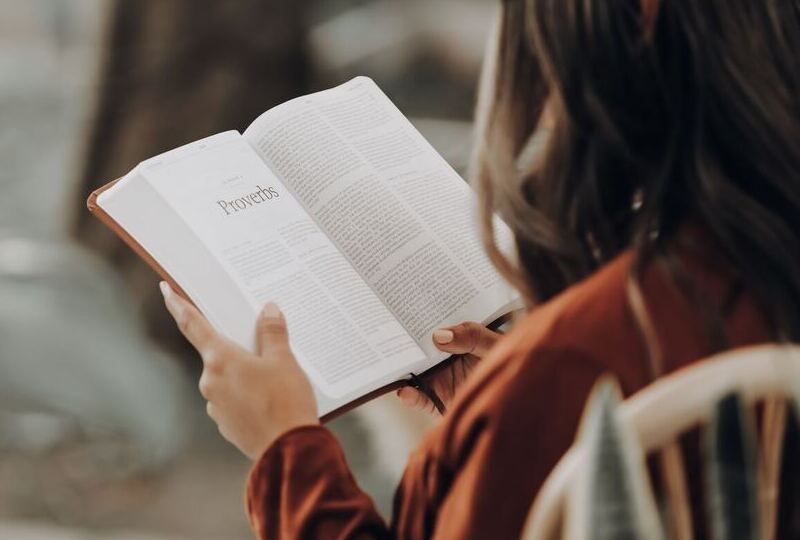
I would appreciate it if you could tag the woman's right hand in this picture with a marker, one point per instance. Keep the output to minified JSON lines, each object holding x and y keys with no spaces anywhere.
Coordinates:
{"x":469,"y":342}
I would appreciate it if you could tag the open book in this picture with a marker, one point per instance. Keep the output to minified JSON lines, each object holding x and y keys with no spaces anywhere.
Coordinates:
{"x":334,"y":207}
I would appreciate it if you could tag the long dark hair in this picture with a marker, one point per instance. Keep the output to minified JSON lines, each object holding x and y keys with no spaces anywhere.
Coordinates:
{"x":660,"y":112}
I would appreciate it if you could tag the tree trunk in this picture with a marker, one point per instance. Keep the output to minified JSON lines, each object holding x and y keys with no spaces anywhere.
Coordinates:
{"x":175,"y":71}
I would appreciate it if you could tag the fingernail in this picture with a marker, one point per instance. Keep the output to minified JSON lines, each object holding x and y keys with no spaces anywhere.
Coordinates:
{"x":443,"y":336}
{"x":165,"y":289}
{"x":408,"y":398}
{"x":271,"y":311}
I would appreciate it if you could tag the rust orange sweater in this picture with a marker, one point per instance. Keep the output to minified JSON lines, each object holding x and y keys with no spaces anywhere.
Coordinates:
{"x":476,"y":475}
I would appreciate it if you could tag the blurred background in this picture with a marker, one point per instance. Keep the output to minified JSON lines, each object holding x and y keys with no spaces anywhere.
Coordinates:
{"x":102,"y":433}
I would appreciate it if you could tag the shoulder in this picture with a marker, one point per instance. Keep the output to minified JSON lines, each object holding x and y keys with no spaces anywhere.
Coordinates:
{"x":518,"y":413}
{"x":547,"y":364}
{"x":590,"y":317}
{"x":590,"y":321}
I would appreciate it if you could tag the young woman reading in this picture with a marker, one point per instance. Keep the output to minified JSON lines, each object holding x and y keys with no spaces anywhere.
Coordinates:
{"x":659,"y":224}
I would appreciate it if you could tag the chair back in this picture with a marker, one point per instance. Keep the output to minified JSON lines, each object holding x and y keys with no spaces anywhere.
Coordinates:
{"x":675,"y":404}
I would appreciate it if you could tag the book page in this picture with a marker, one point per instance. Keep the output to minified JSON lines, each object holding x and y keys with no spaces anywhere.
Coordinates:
{"x":396,"y":209}
{"x":271,"y":250}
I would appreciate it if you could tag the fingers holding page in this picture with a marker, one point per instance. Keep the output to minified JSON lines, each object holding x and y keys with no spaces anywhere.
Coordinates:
{"x":192,"y":324}
{"x":253,"y":398}
{"x":468,"y":342}
{"x":465,"y":338}
{"x":273,"y":336}
{"x":413,"y":398}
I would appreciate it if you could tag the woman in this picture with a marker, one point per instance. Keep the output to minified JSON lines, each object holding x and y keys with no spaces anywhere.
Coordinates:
{"x":659,"y":225}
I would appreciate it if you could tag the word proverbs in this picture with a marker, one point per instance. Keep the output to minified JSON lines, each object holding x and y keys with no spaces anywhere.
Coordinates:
{"x":248,"y":201}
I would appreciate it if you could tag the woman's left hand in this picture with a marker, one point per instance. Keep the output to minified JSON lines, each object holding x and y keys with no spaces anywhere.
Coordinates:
{"x":253,"y":397}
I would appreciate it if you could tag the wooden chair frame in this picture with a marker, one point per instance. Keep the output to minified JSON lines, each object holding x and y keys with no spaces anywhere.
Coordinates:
{"x":681,"y":401}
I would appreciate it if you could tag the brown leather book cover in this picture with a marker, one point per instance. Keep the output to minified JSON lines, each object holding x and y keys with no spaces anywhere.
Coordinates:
{"x":108,"y":221}
{"x":115,"y":227}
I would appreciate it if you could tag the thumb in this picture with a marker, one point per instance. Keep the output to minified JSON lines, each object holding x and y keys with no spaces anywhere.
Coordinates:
{"x":272,"y":335}
{"x":465,"y":338}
